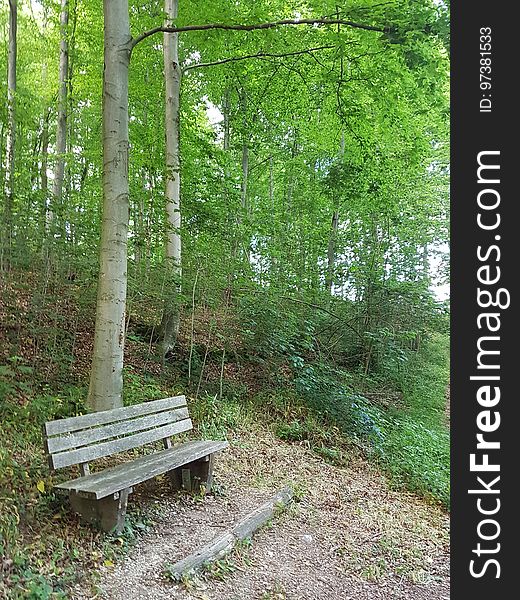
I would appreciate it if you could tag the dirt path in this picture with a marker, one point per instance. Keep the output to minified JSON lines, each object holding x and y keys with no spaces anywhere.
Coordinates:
{"x":349,"y":537}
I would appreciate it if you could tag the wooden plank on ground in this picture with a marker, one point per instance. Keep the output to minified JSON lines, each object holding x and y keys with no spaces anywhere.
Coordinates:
{"x":128,"y":474}
{"x":111,"y":416}
{"x":223,"y":544}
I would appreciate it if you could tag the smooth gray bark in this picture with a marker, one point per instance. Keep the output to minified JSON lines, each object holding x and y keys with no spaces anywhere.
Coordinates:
{"x":106,"y":380}
{"x":271,"y":183}
{"x":245,"y":208}
{"x":245,"y":176}
{"x":44,"y":184}
{"x":11,"y":121}
{"x":331,"y":247}
{"x":170,"y":321}
{"x":226,"y":112}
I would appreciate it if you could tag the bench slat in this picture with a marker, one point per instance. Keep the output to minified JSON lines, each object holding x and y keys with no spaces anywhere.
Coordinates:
{"x":88,"y":453}
{"x":112,"y":416}
{"x":90,"y":436}
{"x":114,"y":479}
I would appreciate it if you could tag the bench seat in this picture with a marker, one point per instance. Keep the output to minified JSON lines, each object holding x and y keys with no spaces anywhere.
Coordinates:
{"x":101,"y":497}
{"x":127,"y":474}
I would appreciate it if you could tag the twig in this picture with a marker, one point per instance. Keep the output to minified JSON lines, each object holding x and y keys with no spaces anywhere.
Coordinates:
{"x":249,"y":56}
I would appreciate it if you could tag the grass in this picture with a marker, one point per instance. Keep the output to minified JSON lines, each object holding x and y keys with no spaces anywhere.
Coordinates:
{"x":46,"y":550}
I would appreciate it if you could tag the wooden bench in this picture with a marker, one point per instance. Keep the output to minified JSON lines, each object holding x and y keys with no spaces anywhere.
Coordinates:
{"x":101,"y":497}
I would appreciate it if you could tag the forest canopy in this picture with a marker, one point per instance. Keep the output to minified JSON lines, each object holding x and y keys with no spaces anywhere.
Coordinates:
{"x":312,"y":158}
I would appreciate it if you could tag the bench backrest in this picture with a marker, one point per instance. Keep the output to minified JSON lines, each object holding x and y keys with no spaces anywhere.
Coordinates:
{"x":78,"y":440}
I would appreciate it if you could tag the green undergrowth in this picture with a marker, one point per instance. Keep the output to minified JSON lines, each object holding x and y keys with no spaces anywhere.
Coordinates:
{"x":44,"y":548}
{"x":416,"y":449}
{"x":335,"y":413}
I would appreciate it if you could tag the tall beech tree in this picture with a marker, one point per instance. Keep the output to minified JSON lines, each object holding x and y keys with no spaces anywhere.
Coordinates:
{"x":169,"y":328}
{"x":331,"y":248}
{"x":106,"y":381}
{"x":269,"y":205}
{"x":11,"y":125}
{"x":61,"y":128}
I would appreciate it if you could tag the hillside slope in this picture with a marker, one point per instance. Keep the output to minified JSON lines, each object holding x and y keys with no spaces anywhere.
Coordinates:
{"x":351,"y":531}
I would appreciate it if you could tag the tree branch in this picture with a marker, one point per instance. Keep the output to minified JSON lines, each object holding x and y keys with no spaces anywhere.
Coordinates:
{"x":259,"y":55}
{"x":254,"y":27}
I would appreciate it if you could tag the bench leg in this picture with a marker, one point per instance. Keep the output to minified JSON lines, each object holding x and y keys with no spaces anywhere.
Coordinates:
{"x":192,"y":476}
{"x":108,"y":514}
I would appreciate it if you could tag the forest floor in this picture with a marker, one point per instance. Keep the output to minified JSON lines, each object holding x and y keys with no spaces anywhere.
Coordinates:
{"x":348,"y":536}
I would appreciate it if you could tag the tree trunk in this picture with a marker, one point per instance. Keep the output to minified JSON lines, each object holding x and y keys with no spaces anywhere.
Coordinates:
{"x":44,"y":184}
{"x":244,"y":212}
{"x":2,"y":170}
{"x":170,"y":321}
{"x":34,"y":168}
{"x":11,"y":123}
{"x":61,"y":130}
{"x":244,"y":204}
{"x":139,"y":209}
{"x":271,"y":184}
{"x":331,"y":249}
{"x":139,"y":237}
{"x":274,"y":269}
{"x":106,"y":380}
{"x":226,"y":109}
{"x":71,"y":210}
{"x":245,"y":176}
{"x":231,"y":219}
